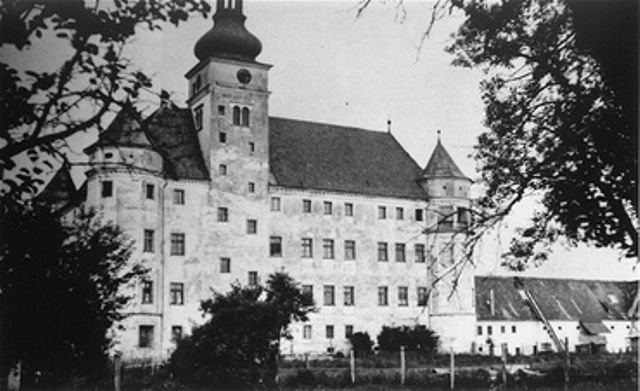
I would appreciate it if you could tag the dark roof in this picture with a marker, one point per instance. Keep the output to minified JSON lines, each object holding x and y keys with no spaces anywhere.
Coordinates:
{"x":59,"y":189}
{"x":174,"y":137}
{"x":124,"y":130}
{"x":311,"y":155}
{"x":441,"y":165}
{"x":559,"y":299}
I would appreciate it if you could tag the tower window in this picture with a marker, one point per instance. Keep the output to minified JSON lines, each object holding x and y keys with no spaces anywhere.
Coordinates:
{"x":245,"y":116}
{"x":275,"y":246}
{"x":176,"y":293}
{"x":419,"y":251}
{"x":147,"y":292}
{"x":197,"y":117}
{"x":223,"y":215}
{"x":463,"y":217}
{"x":403,"y":296}
{"x":225,"y":265}
{"x":220,"y":109}
{"x":382,"y":252}
{"x":177,"y":244}
{"x":147,"y":241}
{"x":222,"y":137}
{"x":178,"y":197}
{"x":236,"y":115}
{"x":252,"y":227}
{"x":150,"y":192}
{"x":307,"y":248}
{"x":400,"y":252}
{"x":383,"y":299}
{"x":197,"y":85}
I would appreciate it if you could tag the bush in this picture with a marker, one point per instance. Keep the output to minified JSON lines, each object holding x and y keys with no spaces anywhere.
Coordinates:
{"x":418,"y":339}
{"x":361,"y":343}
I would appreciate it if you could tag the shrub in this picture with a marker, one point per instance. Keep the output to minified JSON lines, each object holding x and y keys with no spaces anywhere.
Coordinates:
{"x":361,"y":343}
{"x":418,"y":339}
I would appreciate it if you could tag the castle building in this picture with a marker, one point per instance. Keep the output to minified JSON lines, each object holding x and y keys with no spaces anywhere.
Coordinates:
{"x":219,"y":192}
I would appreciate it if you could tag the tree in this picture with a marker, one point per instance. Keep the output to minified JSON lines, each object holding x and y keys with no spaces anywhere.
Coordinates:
{"x":60,"y":292}
{"x":361,"y":343}
{"x":85,"y":78}
{"x":417,"y":339}
{"x":239,"y":344}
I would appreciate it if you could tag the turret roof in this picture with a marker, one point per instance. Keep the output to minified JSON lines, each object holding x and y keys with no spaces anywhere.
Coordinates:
{"x":125,"y":130}
{"x":441,"y":165}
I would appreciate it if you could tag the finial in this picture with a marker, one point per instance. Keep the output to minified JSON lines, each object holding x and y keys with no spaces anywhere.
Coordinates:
{"x":439,"y":133}
{"x":389,"y":125}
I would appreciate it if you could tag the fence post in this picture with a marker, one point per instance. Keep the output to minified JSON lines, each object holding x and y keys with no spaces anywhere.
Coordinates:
{"x":567,"y":364}
{"x":352,"y":366}
{"x":117,"y":372}
{"x":452,"y":369}
{"x":402,"y":365}
{"x":504,"y":364}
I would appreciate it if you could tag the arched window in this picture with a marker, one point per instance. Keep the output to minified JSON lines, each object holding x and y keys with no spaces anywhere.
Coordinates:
{"x":236,"y":115}
{"x":245,"y":116}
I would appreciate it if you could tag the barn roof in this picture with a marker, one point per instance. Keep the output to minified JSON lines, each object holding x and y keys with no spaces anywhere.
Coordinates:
{"x":559,"y":299}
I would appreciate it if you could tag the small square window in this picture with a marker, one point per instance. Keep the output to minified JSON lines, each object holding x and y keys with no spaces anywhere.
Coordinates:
{"x":150,"y":191}
{"x":220,"y":109}
{"x":307,"y":248}
{"x":306,"y":331}
{"x":275,"y":246}
{"x":329,"y":295}
{"x":147,"y":292}
{"x":252,"y":187}
{"x":145,"y":336}
{"x":176,"y":293}
{"x":222,"y":169}
{"x":329,"y":331}
{"x":349,"y":250}
{"x":328,"y":207}
{"x":177,"y":244}
{"x":176,"y":333}
{"x":178,"y":197}
{"x":382,"y":212}
{"x":107,"y":189}
{"x":253,"y":278}
{"x":148,"y":241}
{"x":382,"y":252}
{"x":223,"y":215}
{"x":222,"y":137}
{"x":306,"y":206}
{"x":399,"y":214}
{"x":327,"y":249}
{"x":348,"y":331}
{"x":403,"y":296}
{"x":419,"y":215}
{"x":225,"y":265}
{"x":348,"y":209}
{"x":252,"y":227}
{"x":383,"y":298}
{"x":275,"y":204}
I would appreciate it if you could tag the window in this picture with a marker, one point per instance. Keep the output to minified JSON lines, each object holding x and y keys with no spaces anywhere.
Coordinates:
{"x":177,"y":244}
{"x":513,"y":329}
{"x":422,"y":295}
{"x":176,"y":333}
{"x":400,"y":252}
{"x":222,"y":137}
{"x":328,"y":207}
{"x":479,"y":330}
{"x":489,"y":330}
{"x":306,"y":206}
{"x":383,"y":298}
{"x":176,"y":293}
{"x":306,"y":331}
{"x":419,"y":215}
{"x":252,"y":187}
{"x":245,"y":116}
{"x":348,"y":209}
{"x":147,"y":292}
{"x":446,"y":216}
{"x":252,"y":147}
{"x":329,"y":331}
{"x":178,"y":197}
{"x":150,"y":192}
{"x":399,"y":214}
{"x":307,"y":290}
{"x":197,"y":84}
{"x":419,"y":251}
{"x":382,"y":212}
{"x":223,"y":215}
{"x":222,"y":169}
{"x":107,"y":189}
{"x":225,"y":265}
{"x":252,"y":227}
{"x":349,"y":296}
{"x":503,"y":329}
{"x":220,"y":109}
{"x":348,"y":331}
{"x":275,"y":204}
{"x":382,"y":252}
{"x":145,"y":336}
{"x":307,"y":248}
{"x":463,"y":217}
{"x":147,"y":242}
{"x":253,"y":278}
{"x":403,"y":296}
{"x":236,"y":115}
{"x":275,"y":246}
{"x":329,"y":295}
{"x":197,"y":117}
{"x":349,"y":250}
{"x":327,"y":248}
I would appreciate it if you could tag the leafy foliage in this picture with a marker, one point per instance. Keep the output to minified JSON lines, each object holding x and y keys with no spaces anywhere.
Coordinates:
{"x":69,"y":89}
{"x":418,"y":339}
{"x":60,"y":292}
{"x":239,"y":345}
{"x":562,"y":121}
{"x":361,"y":343}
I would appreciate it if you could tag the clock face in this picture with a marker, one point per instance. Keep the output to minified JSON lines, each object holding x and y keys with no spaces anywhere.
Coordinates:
{"x":244,"y":76}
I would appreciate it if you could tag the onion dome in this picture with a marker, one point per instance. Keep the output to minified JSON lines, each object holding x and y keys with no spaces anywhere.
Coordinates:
{"x":228,"y":38}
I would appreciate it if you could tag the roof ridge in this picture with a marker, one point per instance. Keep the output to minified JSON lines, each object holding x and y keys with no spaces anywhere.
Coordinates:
{"x":344,"y":127}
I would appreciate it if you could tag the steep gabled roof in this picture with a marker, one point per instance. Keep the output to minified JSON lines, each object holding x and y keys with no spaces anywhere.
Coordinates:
{"x":59,"y":189}
{"x":173,"y":136}
{"x":310,"y":155}
{"x":559,"y":299}
{"x":125,"y":130}
{"x":441,"y":165}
